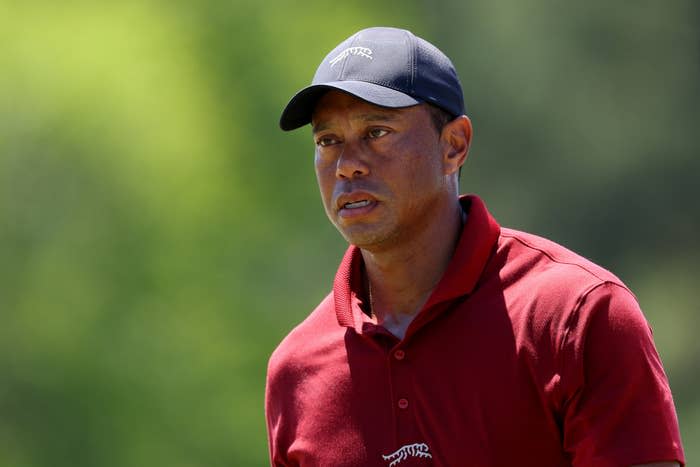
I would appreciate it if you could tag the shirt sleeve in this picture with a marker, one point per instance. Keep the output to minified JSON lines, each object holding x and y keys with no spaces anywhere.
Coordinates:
{"x":619,"y":409}
{"x":273,"y":415}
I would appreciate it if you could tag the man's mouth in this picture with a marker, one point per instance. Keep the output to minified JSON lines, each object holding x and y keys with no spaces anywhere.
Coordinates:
{"x":351,"y":205}
{"x":356,"y":204}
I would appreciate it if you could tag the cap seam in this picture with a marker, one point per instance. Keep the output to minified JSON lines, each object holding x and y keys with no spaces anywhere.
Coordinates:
{"x":412,"y":51}
{"x":341,"y":75}
{"x":386,"y":84}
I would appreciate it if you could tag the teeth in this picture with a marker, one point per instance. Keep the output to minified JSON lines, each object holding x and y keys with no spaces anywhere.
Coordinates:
{"x":356,"y":204}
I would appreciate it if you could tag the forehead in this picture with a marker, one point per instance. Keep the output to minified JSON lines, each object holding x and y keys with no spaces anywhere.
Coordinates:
{"x":338,"y":105}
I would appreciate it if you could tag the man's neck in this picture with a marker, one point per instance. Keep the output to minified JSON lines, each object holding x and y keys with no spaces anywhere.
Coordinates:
{"x":401,"y":279}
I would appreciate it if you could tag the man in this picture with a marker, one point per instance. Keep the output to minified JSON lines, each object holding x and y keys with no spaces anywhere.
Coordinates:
{"x":448,"y":340}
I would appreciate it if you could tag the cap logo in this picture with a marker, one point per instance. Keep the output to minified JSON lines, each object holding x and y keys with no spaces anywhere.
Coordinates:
{"x":361,"y":51}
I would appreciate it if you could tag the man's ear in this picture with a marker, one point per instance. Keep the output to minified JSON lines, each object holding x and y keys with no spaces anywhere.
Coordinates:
{"x":456,"y":136}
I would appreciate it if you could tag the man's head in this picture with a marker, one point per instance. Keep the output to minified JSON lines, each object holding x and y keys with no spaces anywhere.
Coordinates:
{"x":387,"y":114}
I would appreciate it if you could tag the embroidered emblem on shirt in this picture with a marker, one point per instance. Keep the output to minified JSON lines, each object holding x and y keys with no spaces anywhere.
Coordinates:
{"x":361,"y":51}
{"x":409,"y":450}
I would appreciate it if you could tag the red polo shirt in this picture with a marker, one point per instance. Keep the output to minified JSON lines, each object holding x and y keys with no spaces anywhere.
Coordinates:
{"x":525,"y":354}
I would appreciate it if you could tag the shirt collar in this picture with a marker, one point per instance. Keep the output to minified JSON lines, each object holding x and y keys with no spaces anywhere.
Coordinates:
{"x":474,"y":248}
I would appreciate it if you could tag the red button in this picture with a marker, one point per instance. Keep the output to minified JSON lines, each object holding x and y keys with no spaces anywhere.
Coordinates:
{"x":399,"y":354}
{"x":403,"y":403}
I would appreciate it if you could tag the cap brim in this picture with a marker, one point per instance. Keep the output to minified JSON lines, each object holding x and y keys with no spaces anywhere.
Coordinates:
{"x":301,"y":106}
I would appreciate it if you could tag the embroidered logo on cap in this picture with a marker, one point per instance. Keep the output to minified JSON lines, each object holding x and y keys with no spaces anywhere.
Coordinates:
{"x":409,"y":450}
{"x":361,"y":51}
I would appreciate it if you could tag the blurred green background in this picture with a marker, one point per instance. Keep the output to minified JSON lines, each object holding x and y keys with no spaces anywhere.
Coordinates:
{"x":159,"y":235}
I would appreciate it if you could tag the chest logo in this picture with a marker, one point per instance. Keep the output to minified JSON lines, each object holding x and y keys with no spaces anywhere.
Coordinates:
{"x":361,"y":51}
{"x":409,"y":450}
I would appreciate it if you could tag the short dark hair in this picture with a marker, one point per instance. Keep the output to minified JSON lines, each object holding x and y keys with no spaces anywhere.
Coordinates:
{"x":440,"y":118}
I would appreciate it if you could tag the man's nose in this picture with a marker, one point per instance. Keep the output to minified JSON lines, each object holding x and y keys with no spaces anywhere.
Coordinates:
{"x":351,"y":162}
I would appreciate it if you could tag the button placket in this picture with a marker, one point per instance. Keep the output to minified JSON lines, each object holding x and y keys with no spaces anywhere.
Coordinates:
{"x":402,"y":389}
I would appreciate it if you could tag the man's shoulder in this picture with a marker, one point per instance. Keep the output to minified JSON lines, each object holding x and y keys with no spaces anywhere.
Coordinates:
{"x":551,"y":261}
{"x":318,"y":331}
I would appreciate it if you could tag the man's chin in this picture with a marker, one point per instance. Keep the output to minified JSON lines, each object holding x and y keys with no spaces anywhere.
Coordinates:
{"x":358,"y":237}
{"x":365,"y":238}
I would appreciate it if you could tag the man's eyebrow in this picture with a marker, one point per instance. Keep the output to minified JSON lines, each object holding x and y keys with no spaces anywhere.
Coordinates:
{"x":376,"y":117}
{"x":320,"y":127}
{"x":373,"y":117}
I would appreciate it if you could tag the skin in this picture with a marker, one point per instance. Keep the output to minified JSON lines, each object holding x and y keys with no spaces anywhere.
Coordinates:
{"x":396,"y":160}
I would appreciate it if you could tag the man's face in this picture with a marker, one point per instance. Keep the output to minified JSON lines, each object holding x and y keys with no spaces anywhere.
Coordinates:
{"x":380,"y":171}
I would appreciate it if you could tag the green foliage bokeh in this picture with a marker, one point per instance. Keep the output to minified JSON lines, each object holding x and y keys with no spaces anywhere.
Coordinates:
{"x":159,"y":234}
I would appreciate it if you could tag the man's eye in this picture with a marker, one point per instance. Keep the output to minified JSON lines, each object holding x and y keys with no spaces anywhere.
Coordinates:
{"x":326,"y":141}
{"x":377,"y":132}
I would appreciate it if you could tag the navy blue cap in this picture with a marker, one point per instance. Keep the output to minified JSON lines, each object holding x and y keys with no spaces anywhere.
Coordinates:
{"x":388,"y":67}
